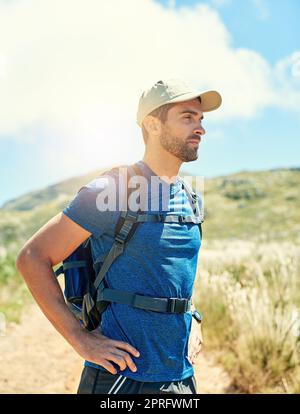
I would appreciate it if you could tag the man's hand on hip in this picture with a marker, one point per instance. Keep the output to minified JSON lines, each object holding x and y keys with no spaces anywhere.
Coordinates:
{"x":97,"y":348}
{"x":195,"y":341}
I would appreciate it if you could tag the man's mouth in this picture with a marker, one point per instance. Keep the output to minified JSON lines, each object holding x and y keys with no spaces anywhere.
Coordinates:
{"x":194,"y":140}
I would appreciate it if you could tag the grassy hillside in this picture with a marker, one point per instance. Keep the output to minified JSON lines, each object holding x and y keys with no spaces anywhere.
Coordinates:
{"x":253,"y":205}
{"x":60,"y":191}
{"x":247,"y":205}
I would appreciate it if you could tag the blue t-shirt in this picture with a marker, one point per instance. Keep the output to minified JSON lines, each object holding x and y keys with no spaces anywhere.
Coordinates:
{"x":160,"y":260}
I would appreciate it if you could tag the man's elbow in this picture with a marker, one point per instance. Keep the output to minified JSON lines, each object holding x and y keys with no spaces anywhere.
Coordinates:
{"x":21,"y":259}
{"x":25,"y":256}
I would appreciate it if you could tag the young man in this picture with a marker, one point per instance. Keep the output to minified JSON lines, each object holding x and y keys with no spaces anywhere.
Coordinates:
{"x":136,"y":350}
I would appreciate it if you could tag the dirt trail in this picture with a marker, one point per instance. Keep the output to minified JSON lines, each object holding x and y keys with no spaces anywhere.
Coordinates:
{"x":34,"y":358}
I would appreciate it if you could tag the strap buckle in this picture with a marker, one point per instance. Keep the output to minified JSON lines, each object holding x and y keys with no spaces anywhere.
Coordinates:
{"x":119,"y":239}
{"x":195,"y":198}
{"x":177,"y":305}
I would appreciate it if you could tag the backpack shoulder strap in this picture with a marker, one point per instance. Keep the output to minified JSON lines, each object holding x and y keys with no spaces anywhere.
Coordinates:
{"x":194,"y":202}
{"x":125,"y":228}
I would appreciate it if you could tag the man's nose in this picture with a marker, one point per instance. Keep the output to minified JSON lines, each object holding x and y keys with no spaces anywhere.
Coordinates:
{"x":199,"y":130}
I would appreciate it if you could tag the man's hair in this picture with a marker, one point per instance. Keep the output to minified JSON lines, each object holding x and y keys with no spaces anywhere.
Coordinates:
{"x":162,"y":114}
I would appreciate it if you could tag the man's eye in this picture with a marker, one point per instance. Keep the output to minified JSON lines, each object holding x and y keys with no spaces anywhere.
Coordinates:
{"x":187,"y":117}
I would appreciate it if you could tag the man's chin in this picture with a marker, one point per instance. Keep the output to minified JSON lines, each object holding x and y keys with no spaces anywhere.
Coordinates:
{"x":189,"y":158}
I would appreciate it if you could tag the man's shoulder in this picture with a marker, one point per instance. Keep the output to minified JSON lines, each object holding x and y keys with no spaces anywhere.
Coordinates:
{"x":104,"y":180}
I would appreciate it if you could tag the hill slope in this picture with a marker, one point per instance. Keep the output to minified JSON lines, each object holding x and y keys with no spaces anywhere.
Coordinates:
{"x":257,"y":205}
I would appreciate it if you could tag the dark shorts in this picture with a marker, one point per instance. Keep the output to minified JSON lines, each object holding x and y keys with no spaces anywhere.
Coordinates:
{"x":96,"y":381}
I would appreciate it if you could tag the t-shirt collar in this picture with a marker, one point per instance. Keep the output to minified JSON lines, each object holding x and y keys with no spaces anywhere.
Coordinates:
{"x":148,"y":173}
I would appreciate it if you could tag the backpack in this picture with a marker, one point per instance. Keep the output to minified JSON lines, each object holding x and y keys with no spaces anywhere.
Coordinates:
{"x":86,"y":291}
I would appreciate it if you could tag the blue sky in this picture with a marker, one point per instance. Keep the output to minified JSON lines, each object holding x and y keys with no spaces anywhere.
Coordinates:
{"x":271,"y":27}
{"x":33,"y":148}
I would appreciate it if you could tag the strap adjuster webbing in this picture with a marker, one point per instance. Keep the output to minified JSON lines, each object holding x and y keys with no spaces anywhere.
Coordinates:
{"x":149,"y":303}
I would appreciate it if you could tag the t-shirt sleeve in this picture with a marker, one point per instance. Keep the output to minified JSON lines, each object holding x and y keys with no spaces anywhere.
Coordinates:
{"x":83,"y":209}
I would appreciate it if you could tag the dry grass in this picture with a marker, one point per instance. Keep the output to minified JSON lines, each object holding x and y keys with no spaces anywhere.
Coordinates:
{"x":249,"y":295}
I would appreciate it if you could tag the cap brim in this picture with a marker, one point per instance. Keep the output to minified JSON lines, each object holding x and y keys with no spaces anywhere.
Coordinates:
{"x":210,"y":100}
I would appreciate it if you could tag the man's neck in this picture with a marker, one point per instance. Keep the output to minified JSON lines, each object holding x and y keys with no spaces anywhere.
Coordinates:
{"x":163,"y":166}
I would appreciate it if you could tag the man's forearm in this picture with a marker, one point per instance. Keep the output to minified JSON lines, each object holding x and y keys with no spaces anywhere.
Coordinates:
{"x":42,"y":283}
{"x":91,"y":346}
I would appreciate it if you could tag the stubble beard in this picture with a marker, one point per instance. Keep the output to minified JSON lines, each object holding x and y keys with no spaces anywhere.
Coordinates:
{"x":180,"y":149}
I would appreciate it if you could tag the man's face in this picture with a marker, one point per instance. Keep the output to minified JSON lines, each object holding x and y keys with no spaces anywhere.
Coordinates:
{"x":181,"y":133}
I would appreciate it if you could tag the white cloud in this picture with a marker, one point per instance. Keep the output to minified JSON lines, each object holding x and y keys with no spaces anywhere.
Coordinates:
{"x":296,"y":64}
{"x":287,"y":80}
{"x":77,"y":69}
{"x":3,"y":64}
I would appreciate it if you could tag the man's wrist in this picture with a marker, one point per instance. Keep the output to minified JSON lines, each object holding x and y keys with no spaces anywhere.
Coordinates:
{"x":197,"y":315}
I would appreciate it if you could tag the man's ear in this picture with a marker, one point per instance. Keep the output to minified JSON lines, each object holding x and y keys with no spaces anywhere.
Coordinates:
{"x":152,"y":125}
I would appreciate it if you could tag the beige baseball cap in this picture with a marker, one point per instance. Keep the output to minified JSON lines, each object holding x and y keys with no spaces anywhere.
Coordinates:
{"x":171,"y":91}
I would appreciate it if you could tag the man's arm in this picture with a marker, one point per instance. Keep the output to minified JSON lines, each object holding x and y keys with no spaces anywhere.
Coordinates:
{"x":55,"y":241}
